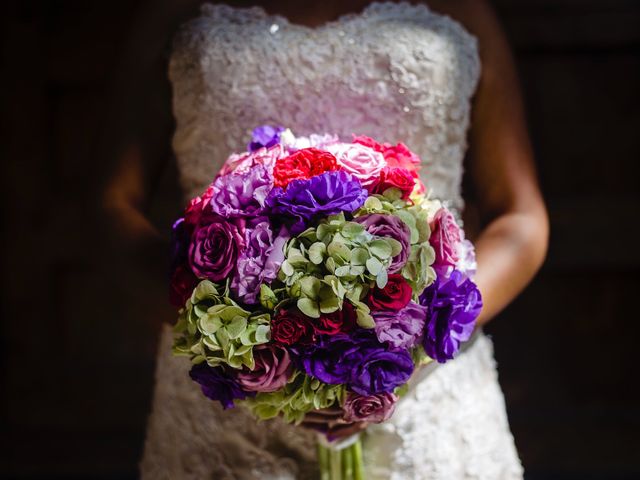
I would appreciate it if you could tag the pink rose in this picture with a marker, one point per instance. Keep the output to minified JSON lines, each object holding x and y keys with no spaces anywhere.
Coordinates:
{"x":445,"y":238}
{"x":272,"y":370}
{"x":241,"y":163}
{"x":373,"y":409}
{"x":362,"y":162}
{"x":395,"y":155}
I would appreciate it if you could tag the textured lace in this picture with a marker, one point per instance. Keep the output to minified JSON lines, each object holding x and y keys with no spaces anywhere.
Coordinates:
{"x":396,"y":71}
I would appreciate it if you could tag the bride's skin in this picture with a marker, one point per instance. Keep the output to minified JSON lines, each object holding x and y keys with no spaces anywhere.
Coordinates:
{"x":512,"y":225}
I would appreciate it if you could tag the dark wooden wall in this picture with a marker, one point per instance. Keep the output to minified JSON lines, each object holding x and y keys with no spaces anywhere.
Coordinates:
{"x":77,"y":344}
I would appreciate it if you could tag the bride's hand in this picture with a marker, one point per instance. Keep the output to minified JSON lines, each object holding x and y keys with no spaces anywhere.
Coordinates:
{"x":330,"y":422}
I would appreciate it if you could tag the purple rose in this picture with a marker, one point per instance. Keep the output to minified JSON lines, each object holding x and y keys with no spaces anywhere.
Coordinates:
{"x":260,"y":261}
{"x":265,"y":136}
{"x":358,"y":360}
{"x":390,"y":226}
{"x":217,"y":385}
{"x":401,"y":329}
{"x":373,"y":408}
{"x":272,"y":370}
{"x":214,"y":249}
{"x":241,"y":194}
{"x":453,"y":306}
{"x":326,"y":194}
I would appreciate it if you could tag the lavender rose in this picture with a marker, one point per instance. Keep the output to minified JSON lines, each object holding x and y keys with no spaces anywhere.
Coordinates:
{"x":260,"y":261}
{"x":241,"y":194}
{"x":326,"y":194}
{"x":401,"y":329}
{"x":453,"y":306}
{"x":265,"y":136}
{"x":214,"y":249}
{"x":359,"y":360}
{"x":373,"y":408}
{"x":272,"y":370}
{"x":217,"y":385}
{"x":389,"y":226}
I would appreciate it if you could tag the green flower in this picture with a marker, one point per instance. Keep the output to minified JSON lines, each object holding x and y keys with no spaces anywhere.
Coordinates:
{"x":338,"y":260}
{"x":213,"y":328}
{"x":301,"y":395}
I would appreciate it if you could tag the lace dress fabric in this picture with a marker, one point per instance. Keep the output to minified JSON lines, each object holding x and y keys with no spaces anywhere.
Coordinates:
{"x":395,"y":71}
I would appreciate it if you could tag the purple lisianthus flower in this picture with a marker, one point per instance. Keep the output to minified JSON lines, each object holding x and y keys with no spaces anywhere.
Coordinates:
{"x":325,"y":194}
{"x":401,"y":329}
{"x":359,"y":360}
{"x":390,"y":226}
{"x":260,"y":261}
{"x":241,"y":194}
{"x":217,"y":385}
{"x":453,"y":305}
{"x":265,"y":136}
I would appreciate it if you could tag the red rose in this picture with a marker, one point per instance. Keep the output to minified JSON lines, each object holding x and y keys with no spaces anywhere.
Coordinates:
{"x":340,"y":321}
{"x":302,"y":165}
{"x":290,"y":326}
{"x":394,"y":296}
{"x":397,"y":177}
{"x":183,"y":281}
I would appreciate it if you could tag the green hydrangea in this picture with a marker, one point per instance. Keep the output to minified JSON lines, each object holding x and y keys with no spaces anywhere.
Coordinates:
{"x":335,"y":261}
{"x":301,"y":395}
{"x":213,"y":328}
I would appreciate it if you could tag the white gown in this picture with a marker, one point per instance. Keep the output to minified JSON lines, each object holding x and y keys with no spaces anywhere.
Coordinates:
{"x":396,"y":72}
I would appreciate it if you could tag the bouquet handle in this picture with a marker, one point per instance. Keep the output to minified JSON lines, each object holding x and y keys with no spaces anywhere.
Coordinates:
{"x":340,"y":460}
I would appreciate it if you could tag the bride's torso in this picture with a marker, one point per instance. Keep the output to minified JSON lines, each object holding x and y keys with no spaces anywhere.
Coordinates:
{"x":395,"y":71}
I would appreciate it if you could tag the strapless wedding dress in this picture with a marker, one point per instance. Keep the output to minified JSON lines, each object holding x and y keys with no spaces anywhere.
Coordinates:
{"x":395,"y":72}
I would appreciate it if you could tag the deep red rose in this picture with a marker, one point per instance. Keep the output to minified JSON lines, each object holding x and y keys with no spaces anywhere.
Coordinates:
{"x":183,"y":281}
{"x":302,"y":165}
{"x":394,"y":296}
{"x":340,"y":321}
{"x":397,"y":177}
{"x":289,"y":327}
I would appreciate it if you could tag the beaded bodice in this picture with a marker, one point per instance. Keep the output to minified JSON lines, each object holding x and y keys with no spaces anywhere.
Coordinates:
{"x":396,"y":72}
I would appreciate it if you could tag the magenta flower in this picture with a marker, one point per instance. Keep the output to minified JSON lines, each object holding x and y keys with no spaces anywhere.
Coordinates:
{"x":214,"y":249}
{"x":403,"y":328}
{"x":272,"y":370}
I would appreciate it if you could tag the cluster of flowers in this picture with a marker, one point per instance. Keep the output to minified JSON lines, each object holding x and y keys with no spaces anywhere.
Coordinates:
{"x":314,"y":272}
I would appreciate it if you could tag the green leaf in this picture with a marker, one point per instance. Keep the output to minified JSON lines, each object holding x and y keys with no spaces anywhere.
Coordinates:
{"x":286,"y":268}
{"x":364,"y":319}
{"x":317,"y":252}
{"x":263,"y":334}
{"x":342,"y":271}
{"x":359,"y":256}
{"x":330,"y":305}
{"x":374,"y":266}
{"x":236,"y":327}
{"x":372,"y":203}
{"x":209,"y":324}
{"x":309,"y":307}
{"x":339,"y":251}
{"x":309,"y":286}
{"x":382,"y":278}
{"x":352,"y":229}
{"x":396,"y":246}
{"x":380,"y":248}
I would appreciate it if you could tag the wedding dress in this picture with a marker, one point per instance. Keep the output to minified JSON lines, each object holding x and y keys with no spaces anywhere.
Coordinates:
{"x":395,"y":72}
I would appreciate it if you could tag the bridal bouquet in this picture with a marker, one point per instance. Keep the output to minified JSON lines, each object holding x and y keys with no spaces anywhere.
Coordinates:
{"x":316,"y":273}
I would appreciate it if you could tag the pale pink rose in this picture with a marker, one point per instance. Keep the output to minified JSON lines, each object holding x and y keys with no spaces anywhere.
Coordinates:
{"x":272,"y":370}
{"x":242,"y":162}
{"x":445,"y":238}
{"x":373,"y":409}
{"x":362,"y":162}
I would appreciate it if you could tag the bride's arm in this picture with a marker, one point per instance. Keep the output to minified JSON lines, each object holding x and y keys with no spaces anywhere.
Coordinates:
{"x":512,"y":242}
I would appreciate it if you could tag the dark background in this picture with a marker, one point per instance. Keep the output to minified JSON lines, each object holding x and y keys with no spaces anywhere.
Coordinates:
{"x":77,"y":338}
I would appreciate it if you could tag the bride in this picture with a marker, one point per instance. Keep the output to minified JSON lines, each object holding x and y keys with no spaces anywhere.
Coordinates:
{"x":432,"y":75}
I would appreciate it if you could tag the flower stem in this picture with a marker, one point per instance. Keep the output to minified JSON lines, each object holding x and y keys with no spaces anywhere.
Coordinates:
{"x":358,"y":465}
